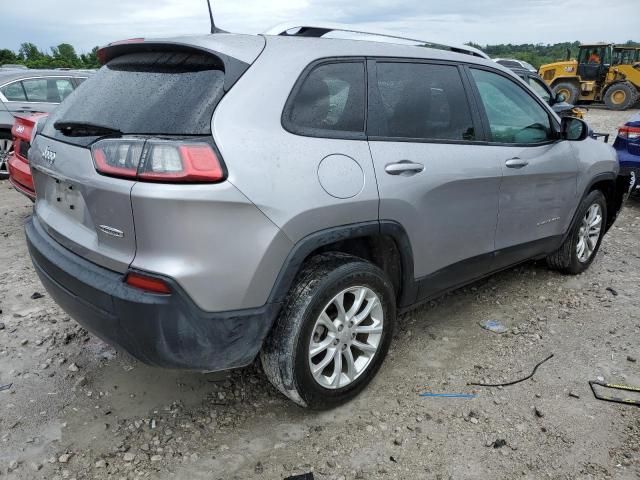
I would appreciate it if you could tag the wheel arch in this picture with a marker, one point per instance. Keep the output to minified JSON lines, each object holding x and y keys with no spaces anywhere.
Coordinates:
{"x":384,"y":243}
{"x":565,"y":79}
{"x":611,"y":187}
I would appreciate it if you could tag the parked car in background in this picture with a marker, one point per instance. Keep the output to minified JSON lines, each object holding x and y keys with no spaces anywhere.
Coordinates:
{"x":25,"y":92}
{"x":514,"y":63}
{"x":14,"y":66}
{"x":197,"y":214}
{"x":557,"y":102}
{"x":627,"y":144}
{"x":23,"y":132}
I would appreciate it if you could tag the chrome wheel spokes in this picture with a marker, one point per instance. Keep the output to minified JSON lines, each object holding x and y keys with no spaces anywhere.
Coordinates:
{"x":589,"y":233}
{"x":346,"y":337}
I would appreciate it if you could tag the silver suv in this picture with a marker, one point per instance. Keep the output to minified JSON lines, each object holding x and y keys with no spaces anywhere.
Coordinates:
{"x":202,"y":201}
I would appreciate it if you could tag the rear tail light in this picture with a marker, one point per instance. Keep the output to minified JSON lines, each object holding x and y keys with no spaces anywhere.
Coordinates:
{"x":23,"y":133}
{"x":629,"y":133}
{"x":24,"y":128}
{"x":156,"y":160}
{"x":147,"y":283}
{"x":118,"y":158}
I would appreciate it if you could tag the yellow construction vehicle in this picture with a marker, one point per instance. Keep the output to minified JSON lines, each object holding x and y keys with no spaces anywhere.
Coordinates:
{"x":602,"y":73}
{"x":626,"y":55}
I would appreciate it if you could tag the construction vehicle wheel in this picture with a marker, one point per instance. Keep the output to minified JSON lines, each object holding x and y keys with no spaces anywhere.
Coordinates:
{"x":570,"y":91}
{"x":620,"y":96}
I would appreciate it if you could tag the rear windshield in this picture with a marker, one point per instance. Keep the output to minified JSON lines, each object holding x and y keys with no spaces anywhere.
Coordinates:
{"x":172,"y":93}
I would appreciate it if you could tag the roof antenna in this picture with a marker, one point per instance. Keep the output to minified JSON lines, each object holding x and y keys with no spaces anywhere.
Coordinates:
{"x":213,"y":23}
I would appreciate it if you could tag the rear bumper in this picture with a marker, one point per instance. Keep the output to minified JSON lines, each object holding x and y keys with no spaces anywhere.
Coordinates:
{"x":162,"y":330}
{"x":20,"y":176}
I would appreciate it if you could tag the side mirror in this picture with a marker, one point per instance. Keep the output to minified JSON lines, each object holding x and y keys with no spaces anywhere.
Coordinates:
{"x":574,"y":129}
{"x":560,"y":98}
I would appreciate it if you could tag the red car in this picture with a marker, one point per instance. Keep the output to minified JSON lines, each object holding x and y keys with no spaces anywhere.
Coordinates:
{"x":23,"y":131}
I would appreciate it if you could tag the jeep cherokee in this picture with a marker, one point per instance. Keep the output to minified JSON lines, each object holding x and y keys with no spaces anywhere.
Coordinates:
{"x":206,"y":200}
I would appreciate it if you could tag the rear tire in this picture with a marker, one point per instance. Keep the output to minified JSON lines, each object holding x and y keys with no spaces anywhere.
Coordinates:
{"x":570,"y":91}
{"x":620,"y":96}
{"x":581,"y":245}
{"x":338,"y":370}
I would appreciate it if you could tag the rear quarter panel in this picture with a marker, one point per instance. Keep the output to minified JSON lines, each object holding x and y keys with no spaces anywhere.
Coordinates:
{"x":276,"y":169}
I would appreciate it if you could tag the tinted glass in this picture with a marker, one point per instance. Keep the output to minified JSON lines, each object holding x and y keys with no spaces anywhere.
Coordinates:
{"x":148,"y":93}
{"x":47,"y":90}
{"x":37,"y":90}
{"x":332,"y":98}
{"x":539,"y":88}
{"x":514,"y":116}
{"x":64,"y":87}
{"x":421,"y":101}
{"x":14,"y":92}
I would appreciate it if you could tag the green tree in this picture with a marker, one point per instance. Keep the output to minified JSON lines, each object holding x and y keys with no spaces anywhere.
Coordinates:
{"x":64,"y":56}
{"x":90,"y":60}
{"x":7,"y":56}
{"x":29,"y":52}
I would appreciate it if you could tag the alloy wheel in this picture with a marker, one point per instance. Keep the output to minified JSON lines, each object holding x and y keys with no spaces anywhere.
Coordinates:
{"x":6,"y":148}
{"x":589,"y":233}
{"x":346,"y":337}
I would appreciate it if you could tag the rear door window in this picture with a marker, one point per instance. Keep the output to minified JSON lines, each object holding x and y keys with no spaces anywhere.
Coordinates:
{"x":330,"y":102}
{"x":420,"y":101}
{"x":47,"y":90}
{"x":149,"y":93}
{"x":36,"y":89}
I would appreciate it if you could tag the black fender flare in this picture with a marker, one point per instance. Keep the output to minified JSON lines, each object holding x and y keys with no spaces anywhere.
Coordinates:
{"x":312,"y":242}
{"x":601,"y":177}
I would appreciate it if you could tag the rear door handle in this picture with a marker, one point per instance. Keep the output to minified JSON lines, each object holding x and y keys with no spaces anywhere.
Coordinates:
{"x":404,"y":167}
{"x":516,"y":163}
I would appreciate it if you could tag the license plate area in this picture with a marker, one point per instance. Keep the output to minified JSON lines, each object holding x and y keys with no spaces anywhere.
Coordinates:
{"x":66,"y":198}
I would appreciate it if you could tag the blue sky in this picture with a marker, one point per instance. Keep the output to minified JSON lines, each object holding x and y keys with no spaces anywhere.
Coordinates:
{"x":85,"y":23}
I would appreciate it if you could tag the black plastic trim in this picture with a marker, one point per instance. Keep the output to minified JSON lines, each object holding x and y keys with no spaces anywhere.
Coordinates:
{"x":482,"y":266}
{"x":314,"y":241}
{"x":168,"y":331}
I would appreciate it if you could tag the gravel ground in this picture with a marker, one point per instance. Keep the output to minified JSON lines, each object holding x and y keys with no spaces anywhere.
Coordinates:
{"x":79,"y":410}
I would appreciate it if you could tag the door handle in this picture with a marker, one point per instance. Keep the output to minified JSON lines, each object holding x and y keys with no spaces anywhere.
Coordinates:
{"x":516,"y":163}
{"x":404,"y":167}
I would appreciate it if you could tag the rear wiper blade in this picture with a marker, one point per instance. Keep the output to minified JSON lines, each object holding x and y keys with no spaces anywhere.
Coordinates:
{"x":84,"y":129}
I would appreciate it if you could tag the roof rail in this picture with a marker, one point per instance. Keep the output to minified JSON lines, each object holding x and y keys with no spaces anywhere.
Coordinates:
{"x":319,"y":30}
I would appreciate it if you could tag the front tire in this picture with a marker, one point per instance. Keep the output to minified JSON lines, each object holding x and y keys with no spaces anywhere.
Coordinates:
{"x":620,"y":96}
{"x":333,"y":332}
{"x":583,"y":242}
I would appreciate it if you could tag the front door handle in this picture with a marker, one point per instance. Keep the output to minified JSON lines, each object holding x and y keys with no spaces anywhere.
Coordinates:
{"x":516,"y":163}
{"x":404,"y":167}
